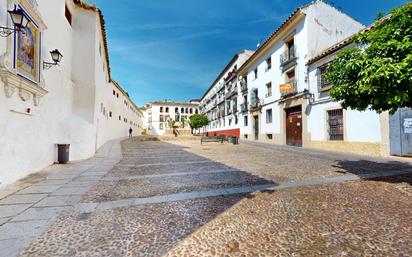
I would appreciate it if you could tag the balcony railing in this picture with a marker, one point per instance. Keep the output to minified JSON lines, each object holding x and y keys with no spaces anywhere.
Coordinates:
{"x":243,"y":107}
{"x":288,"y":56}
{"x":243,"y":88}
{"x":235,"y":108}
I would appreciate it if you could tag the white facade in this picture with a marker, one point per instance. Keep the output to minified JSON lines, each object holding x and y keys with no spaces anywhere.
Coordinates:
{"x":278,"y":101}
{"x":68,"y":104}
{"x":159,"y":113}
{"x":222,"y":101}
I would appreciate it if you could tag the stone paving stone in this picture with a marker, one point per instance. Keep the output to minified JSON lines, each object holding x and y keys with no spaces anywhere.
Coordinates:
{"x":39,"y":189}
{"x":12,"y":210}
{"x":42,"y":213}
{"x":80,"y":183}
{"x":53,"y":182}
{"x":70,"y":191}
{"x":23,"y":229}
{"x":21,"y":199}
{"x":12,"y":247}
{"x":4,"y":220}
{"x":55,"y":201}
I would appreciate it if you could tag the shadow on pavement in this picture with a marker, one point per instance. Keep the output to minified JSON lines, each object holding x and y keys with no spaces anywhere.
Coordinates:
{"x":360,"y":167}
{"x":152,"y":229}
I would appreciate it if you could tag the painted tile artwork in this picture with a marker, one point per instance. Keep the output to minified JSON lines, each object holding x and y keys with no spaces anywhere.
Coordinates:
{"x":27,"y":55}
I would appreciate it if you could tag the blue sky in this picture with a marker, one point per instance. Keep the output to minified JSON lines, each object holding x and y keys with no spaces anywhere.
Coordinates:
{"x":174,"y":49}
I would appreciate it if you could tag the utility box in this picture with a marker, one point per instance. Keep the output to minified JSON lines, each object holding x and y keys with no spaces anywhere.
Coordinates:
{"x":401,"y":132}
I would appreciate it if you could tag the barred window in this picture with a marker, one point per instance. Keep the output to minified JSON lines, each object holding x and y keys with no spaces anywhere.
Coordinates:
{"x":335,"y":124}
{"x":322,"y":80}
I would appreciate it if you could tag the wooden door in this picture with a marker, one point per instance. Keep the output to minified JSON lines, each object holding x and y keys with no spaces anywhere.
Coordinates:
{"x":256,"y":126}
{"x":294,"y":126}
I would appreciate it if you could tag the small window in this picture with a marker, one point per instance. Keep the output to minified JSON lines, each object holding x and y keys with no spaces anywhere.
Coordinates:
{"x":114,"y":93}
{"x":68,"y":14}
{"x":176,"y":110}
{"x":269,"y":89}
{"x":110,"y":114}
{"x":323,"y":83}
{"x":120,"y":117}
{"x":268,"y":63}
{"x":245,"y":121}
{"x":191,"y":110}
{"x":245,"y":136}
{"x":117,"y":95}
{"x":269,"y":116}
{"x":269,"y":136}
{"x":335,"y":125}
{"x":161,"y":109}
{"x":255,"y":72}
{"x":167,"y":109}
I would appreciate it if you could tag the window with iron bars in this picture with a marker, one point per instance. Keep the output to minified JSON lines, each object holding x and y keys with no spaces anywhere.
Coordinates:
{"x":335,"y":125}
{"x":322,"y":80}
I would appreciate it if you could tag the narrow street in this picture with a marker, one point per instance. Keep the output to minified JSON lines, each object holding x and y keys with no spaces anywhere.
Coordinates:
{"x":180,"y":198}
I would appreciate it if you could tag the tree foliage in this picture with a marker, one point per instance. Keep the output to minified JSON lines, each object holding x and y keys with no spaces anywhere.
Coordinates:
{"x":377,"y":74}
{"x":198,"y":121}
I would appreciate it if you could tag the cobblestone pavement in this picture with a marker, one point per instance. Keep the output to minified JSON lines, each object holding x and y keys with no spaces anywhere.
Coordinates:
{"x":183,"y":199}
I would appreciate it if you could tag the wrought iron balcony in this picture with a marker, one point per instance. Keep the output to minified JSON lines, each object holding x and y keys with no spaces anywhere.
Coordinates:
{"x":288,"y":57}
{"x":231,"y":92}
{"x":235,"y":108}
{"x":244,"y":107}
{"x":255,"y":104}
{"x":243,"y":88}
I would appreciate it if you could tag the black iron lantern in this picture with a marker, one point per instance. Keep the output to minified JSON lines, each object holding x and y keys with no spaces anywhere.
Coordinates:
{"x":19,"y":19}
{"x":56,"y":56}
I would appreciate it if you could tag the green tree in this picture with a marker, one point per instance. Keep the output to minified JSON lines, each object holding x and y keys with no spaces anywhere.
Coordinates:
{"x":171,"y":123}
{"x":197,"y":121}
{"x":377,"y":74}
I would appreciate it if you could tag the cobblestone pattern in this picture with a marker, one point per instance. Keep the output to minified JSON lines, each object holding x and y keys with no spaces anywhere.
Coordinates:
{"x":142,"y":188}
{"x":283,"y":164}
{"x":368,"y":218}
{"x":150,"y":230}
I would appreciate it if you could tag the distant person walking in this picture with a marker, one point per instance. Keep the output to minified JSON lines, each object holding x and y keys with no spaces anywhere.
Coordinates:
{"x":130,"y":132}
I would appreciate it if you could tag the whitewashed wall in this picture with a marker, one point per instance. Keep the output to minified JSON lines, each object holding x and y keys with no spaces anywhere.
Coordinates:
{"x":68,"y":113}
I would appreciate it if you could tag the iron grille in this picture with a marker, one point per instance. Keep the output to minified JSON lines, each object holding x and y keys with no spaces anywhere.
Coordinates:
{"x":322,"y":80}
{"x":335,"y":121}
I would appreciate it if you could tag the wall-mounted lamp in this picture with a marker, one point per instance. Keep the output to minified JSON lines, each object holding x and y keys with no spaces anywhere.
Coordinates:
{"x":56,"y":57}
{"x":309,"y":96}
{"x":19,"y":20}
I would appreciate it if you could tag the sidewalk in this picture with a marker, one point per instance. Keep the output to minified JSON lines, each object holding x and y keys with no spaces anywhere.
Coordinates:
{"x":30,"y":205}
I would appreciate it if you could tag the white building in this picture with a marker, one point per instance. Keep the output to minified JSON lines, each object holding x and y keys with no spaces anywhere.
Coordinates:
{"x":222,"y":101}
{"x":282,"y":101}
{"x":76,"y":102}
{"x":157,"y":115}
